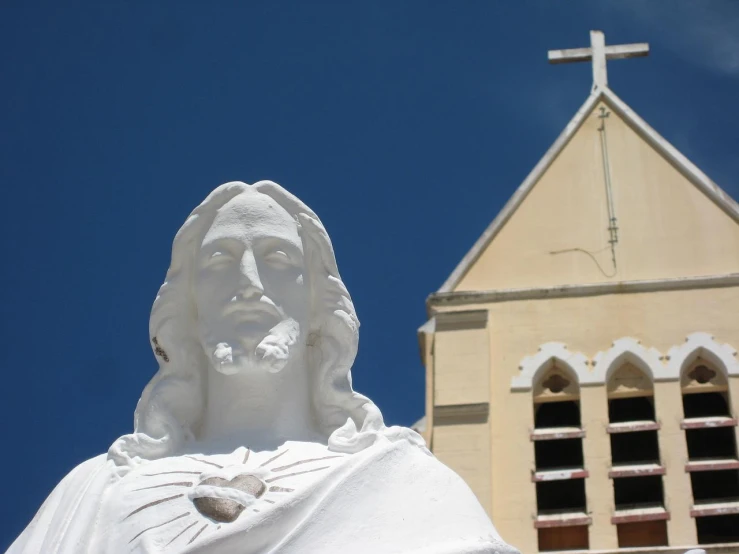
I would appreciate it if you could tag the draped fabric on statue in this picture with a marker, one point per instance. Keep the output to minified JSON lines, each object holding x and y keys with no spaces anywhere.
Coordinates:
{"x":64,"y":523}
{"x":391,"y":497}
{"x":255,"y":335}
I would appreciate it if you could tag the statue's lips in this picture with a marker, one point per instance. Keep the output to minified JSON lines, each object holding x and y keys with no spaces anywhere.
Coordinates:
{"x":252,"y":311}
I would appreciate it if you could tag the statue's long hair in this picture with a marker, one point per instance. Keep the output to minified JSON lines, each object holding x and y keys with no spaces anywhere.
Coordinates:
{"x":172,"y":404}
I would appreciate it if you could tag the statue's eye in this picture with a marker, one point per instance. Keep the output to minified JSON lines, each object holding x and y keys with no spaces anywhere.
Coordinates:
{"x":219,"y":258}
{"x":278,"y":259}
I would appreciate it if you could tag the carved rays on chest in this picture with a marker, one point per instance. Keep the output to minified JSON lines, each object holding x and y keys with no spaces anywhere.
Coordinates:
{"x":219,"y":494}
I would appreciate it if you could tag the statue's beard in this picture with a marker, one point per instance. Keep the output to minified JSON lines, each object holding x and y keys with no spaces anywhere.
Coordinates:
{"x":271,"y":354}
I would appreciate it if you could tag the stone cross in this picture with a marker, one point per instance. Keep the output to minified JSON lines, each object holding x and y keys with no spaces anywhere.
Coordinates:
{"x":599,"y":53}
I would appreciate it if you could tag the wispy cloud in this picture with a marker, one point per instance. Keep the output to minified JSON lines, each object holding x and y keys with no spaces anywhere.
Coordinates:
{"x":705,"y":33}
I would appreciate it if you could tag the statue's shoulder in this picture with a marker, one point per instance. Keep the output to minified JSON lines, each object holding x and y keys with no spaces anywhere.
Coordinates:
{"x":395,"y":496}
{"x":85,"y":468}
{"x":81,"y":476}
{"x":408,"y":452}
{"x":402,"y":462}
{"x":67,"y":509}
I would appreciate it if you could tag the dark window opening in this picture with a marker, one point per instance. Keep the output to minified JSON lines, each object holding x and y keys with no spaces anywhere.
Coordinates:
{"x":716,"y":442}
{"x":638,"y":492}
{"x":631,"y":409}
{"x":715,"y":486}
{"x":715,"y":529}
{"x":555,"y":383}
{"x":558,"y":454}
{"x":560,"y":496}
{"x":564,"y":538}
{"x":705,"y":404}
{"x":557,"y":414}
{"x":642,"y":533}
{"x":702,"y":374}
{"x":635,"y":448}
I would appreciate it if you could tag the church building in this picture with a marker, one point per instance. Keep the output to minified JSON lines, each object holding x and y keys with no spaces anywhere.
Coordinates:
{"x":581,"y":360}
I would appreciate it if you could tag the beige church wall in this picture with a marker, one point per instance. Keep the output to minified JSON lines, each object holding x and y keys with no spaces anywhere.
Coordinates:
{"x":673,"y":452}
{"x":667,"y":226}
{"x":461,"y":367}
{"x":513,"y":519}
{"x":426,"y":344}
{"x":465,"y":448}
{"x":587,"y":324}
{"x":459,"y":376}
{"x":597,"y":454}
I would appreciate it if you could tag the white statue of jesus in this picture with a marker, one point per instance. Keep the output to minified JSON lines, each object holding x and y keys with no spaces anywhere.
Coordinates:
{"x":249,"y":439}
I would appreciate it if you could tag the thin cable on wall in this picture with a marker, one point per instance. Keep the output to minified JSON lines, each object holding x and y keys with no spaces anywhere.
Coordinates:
{"x":590,"y":254}
{"x":612,"y":221}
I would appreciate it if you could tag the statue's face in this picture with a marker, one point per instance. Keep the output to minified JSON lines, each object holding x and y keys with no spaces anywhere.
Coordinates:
{"x":249,"y":291}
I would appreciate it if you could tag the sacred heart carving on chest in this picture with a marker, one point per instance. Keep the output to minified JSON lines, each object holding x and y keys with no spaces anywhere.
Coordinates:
{"x":228,"y":496}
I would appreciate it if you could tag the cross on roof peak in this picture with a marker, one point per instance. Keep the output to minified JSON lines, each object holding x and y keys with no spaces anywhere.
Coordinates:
{"x":599,"y":53}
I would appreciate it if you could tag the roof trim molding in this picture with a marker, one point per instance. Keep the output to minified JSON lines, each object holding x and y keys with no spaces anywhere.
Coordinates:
{"x":461,"y":320}
{"x":572,"y":291}
{"x":673,"y":155}
{"x":641,"y":127}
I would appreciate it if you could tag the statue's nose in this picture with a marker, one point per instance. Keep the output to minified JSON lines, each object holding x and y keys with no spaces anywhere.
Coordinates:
{"x":251,"y":285}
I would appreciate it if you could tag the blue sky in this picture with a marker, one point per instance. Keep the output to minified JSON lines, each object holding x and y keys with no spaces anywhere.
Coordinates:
{"x":404,"y":125}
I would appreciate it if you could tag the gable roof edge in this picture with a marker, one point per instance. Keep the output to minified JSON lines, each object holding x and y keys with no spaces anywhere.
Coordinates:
{"x":521,"y":192}
{"x":687,"y":168}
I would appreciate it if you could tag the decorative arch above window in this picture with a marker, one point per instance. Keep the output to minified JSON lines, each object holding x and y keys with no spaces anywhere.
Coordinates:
{"x":702,"y":375}
{"x":629,"y":381}
{"x":549,"y":368}
{"x":626,"y":350}
{"x":686,"y":358}
{"x":556,"y":383}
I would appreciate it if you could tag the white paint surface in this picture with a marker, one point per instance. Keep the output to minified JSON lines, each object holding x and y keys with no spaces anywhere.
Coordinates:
{"x":723,"y":356}
{"x":656,"y":366}
{"x":623,"y":350}
{"x":255,"y":335}
{"x":532,"y":367}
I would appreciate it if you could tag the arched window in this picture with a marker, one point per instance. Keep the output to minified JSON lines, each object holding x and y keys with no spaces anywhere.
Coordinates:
{"x":636,"y":470}
{"x":556,"y":398}
{"x":705,"y":391}
{"x":631,"y":419}
{"x":712,"y":453}
{"x":560,"y":473}
{"x":708,"y":423}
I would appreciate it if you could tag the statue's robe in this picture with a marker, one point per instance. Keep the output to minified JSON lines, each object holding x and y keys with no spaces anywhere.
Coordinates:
{"x":393,"y":497}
